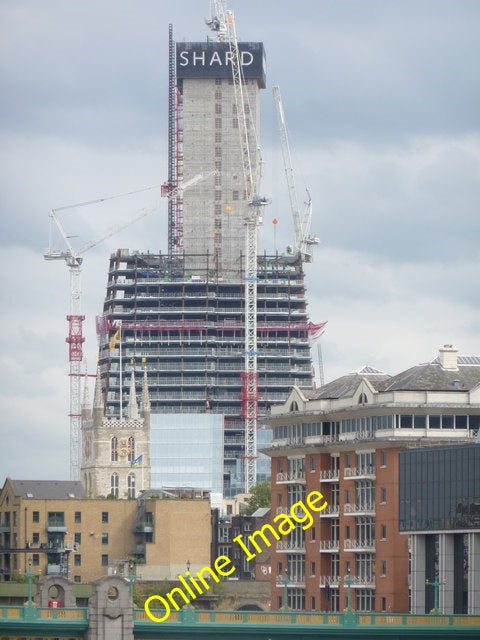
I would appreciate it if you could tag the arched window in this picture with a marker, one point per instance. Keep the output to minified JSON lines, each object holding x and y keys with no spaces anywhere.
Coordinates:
{"x":131,"y":449}
{"x":363,"y":399}
{"x":114,"y":449}
{"x":294,"y":406}
{"x":131,"y":485}
{"x":114,"y":484}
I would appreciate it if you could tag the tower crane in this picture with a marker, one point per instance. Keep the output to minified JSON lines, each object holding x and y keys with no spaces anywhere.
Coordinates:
{"x":223,"y":23}
{"x":73,"y":259}
{"x":301,"y":222}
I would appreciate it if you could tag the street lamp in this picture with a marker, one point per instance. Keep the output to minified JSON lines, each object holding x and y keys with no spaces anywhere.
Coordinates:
{"x":285,"y":590}
{"x":435,"y":584}
{"x":131,"y":576}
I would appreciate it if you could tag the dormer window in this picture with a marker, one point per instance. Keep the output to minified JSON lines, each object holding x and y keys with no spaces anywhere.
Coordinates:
{"x":294,"y":406}
{"x":363,"y":399}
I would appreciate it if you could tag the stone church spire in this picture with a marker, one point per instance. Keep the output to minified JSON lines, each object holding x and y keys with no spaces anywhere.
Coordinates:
{"x":132,"y":408}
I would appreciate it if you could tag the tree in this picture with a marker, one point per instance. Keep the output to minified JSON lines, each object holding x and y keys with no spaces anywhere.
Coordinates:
{"x":260,"y":496}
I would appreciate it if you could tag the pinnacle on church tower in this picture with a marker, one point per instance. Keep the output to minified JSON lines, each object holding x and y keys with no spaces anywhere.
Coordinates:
{"x":145,"y":406}
{"x":132,"y":408}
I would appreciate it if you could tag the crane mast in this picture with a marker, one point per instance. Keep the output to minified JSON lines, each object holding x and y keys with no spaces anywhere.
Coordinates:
{"x":301,"y":222}
{"x":223,"y":23}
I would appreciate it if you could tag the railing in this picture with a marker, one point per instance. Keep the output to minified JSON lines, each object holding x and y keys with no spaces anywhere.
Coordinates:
{"x":367,"y":508}
{"x":329,"y":475}
{"x":330,"y":581}
{"x":359,"y":545}
{"x":329,"y":546}
{"x":291,"y":477}
{"x":331,"y":510}
{"x":291,"y":547}
{"x":359,"y":472}
{"x":296,"y":581}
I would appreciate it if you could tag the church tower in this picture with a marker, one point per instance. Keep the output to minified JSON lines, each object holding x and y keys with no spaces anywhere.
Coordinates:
{"x":116,"y":451}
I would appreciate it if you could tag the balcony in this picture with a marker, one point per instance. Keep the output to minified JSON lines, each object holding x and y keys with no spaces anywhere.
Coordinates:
{"x":329,"y":475}
{"x":296,"y":581}
{"x":291,"y":478}
{"x":359,"y":545}
{"x":285,"y":546}
{"x":362,"y":582}
{"x":359,"y":473}
{"x":331,"y":511}
{"x":329,"y":546}
{"x":366,"y":509}
{"x":329,"y":581}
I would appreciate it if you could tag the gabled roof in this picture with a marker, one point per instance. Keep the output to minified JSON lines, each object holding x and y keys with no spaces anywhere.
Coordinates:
{"x":346,"y":386}
{"x":48,"y":489}
{"x":432,"y":376}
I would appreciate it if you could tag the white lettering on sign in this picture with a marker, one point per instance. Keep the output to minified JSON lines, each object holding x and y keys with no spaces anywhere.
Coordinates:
{"x":200,"y":59}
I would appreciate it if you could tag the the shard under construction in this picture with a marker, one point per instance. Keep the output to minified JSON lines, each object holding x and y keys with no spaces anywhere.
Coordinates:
{"x":182,"y":313}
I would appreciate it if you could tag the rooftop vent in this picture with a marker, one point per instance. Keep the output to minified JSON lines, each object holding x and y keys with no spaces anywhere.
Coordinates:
{"x":447,"y":356}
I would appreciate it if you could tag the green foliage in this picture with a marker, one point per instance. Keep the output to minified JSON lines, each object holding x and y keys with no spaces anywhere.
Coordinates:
{"x":260,"y":496}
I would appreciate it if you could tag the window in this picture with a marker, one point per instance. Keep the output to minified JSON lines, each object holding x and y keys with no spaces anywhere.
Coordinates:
{"x":383,"y":532}
{"x":313,"y":463}
{"x":104,"y":517}
{"x":35,"y":559}
{"x":365,"y":600}
{"x":131,"y":449}
{"x":383,"y":458}
{"x":347,"y":496}
{"x":383,"y":604}
{"x":104,"y":538}
{"x":131,"y":485}
{"x":434,"y":422}
{"x":279,"y":465}
{"x":312,"y":603}
{"x":78,"y":517}
{"x":312,"y":568}
{"x":279,"y":499}
{"x":36,"y":516}
{"x":114,"y":449}
{"x":383,"y":495}
{"x":114,"y":484}
{"x":35,"y":538}
{"x":312,"y":534}
{"x":77,"y":560}
{"x":347,"y":460}
{"x":347,"y":531}
{"x":78,"y":538}
{"x":383,"y":568}
{"x":77,"y":578}
{"x":104,"y":559}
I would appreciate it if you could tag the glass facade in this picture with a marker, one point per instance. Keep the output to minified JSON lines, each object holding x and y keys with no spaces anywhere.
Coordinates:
{"x":439,"y":488}
{"x":187,"y":451}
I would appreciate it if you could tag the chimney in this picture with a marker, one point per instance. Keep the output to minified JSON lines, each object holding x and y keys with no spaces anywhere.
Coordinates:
{"x":448,"y":357}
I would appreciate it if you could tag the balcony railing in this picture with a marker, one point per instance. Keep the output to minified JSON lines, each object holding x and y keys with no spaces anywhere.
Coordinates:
{"x":296,"y":581}
{"x":359,"y":472}
{"x":359,"y":545}
{"x":363,"y":509}
{"x":329,"y":475}
{"x":285,"y":546}
{"x":329,"y":546}
{"x":296,"y":477}
{"x":330,"y":581}
{"x":331,"y":511}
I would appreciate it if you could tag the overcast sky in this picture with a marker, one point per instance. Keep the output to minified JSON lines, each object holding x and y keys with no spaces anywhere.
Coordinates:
{"x":382,"y":103}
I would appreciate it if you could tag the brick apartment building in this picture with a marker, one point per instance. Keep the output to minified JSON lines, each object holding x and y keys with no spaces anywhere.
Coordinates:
{"x":344,"y":440}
